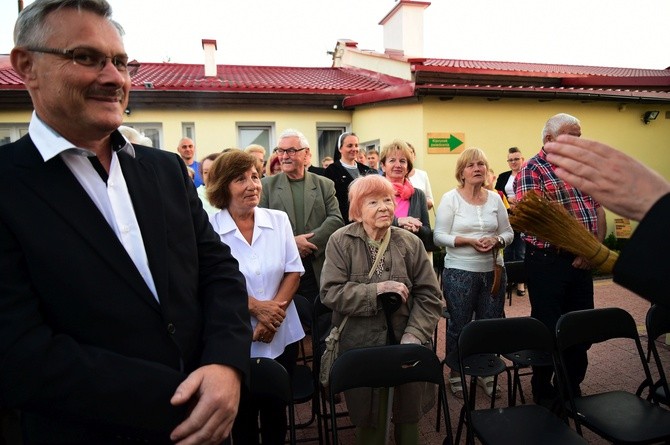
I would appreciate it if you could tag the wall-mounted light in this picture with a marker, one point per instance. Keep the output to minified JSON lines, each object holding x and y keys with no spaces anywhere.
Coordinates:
{"x":649,"y":116}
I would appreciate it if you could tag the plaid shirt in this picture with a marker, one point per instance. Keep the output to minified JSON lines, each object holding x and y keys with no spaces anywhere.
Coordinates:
{"x":538,"y":174}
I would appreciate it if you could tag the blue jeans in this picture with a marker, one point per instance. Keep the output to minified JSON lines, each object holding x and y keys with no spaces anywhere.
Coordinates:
{"x":469,"y":293}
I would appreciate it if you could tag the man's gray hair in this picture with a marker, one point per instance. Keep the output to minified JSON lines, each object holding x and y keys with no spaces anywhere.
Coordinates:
{"x":290,"y":133}
{"x":556,"y":122}
{"x":30,"y":29}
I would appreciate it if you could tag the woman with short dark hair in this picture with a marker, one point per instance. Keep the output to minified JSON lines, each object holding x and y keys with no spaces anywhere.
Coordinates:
{"x":272,"y":279}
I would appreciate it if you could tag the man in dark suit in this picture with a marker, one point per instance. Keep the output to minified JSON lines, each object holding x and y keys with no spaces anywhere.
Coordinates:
{"x":309,"y":200}
{"x":122,"y":315}
{"x":308,"y":164}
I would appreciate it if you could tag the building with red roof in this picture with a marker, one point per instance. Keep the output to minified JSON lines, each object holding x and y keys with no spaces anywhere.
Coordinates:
{"x":384,"y":96}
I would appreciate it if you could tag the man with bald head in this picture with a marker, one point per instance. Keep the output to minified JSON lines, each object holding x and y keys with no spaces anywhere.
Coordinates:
{"x":186,"y":149}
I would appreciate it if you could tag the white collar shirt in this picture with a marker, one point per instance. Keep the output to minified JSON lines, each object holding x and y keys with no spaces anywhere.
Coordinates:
{"x":112,"y":199}
{"x":272,"y":253}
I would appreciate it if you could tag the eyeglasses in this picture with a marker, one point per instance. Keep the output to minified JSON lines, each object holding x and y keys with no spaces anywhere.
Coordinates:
{"x":289,"y":151}
{"x":90,"y":58}
{"x":514,"y":160}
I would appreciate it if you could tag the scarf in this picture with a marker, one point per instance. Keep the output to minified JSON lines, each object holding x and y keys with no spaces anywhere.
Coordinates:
{"x":404,"y":190}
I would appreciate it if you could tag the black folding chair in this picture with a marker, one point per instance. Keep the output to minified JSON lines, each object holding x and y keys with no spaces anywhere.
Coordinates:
{"x":658,"y":324}
{"x":618,"y":416}
{"x":387,"y":367}
{"x":513,"y":424}
{"x":269,"y":378}
{"x":320,"y":329}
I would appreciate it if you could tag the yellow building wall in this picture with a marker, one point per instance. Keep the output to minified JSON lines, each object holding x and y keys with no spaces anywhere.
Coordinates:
{"x":494,"y":126}
{"x":217,"y":129}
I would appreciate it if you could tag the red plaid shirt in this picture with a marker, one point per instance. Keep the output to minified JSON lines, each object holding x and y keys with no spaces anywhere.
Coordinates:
{"x":538,"y":174}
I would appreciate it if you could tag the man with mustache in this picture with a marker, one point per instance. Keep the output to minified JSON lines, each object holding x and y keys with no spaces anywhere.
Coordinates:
{"x":123,"y":318}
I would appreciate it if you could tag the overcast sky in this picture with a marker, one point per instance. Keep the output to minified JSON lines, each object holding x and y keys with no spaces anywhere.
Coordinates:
{"x":614,"y":33}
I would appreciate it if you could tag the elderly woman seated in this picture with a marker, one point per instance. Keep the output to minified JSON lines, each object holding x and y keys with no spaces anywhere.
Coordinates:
{"x":364,"y":260}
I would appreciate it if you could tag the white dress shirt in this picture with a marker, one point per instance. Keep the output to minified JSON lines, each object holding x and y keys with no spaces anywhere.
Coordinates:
{"x":112,"y":199}
{"x":272,"y":253}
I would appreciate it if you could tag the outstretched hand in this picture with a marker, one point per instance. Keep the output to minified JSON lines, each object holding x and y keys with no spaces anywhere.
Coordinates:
{"x":619,"y":182}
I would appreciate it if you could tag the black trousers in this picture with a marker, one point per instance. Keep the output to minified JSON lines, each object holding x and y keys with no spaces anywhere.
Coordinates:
{"x":555,"y":287}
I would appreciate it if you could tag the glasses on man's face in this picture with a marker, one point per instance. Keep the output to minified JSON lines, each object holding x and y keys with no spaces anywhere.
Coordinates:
{"x":289,"y":151}
{"x":91,"y":58}
{"x":514,"y":160}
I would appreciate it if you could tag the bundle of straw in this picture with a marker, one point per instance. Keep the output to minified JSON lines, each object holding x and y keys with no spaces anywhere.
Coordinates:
{"x":551,"y":222}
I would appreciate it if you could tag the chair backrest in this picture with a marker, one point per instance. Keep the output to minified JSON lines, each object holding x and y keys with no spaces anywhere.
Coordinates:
{"x":658,"y":322}
{"x":594,"y":326}
{"x":385,"y":367}
{"x":504,"y":336}
{"x":269,"y":378}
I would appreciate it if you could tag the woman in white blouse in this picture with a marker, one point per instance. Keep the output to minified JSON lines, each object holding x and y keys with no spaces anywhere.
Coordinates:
{"x":472,"y":223}
{"x":262,"y":242}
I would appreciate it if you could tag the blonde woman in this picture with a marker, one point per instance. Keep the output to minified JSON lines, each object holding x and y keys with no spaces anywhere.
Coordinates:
{"x":472,"y":224}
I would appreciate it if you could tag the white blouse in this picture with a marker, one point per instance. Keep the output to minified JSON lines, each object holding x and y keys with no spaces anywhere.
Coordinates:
{"x":272,"y":252}
{"x":457,"y":217}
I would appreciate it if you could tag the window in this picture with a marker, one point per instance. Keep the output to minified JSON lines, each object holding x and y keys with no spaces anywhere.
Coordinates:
{"x":188,"y":130}
{"x":153,"y":131}
{"x":260,"y":133}
{"x":327,"y":139}
{"x":12,"y":132}
{"x":369,"y":145}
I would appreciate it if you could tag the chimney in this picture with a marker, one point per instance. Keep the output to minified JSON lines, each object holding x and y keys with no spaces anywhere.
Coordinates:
{"x":403,"y":29}
{"x":210,"y":57}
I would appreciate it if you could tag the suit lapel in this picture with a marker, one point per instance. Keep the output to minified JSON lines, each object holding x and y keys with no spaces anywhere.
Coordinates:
{"x":286,"y":197}
{"x":58,"y":187}
{"x":310,"y":195}
{"x":145,"y":194}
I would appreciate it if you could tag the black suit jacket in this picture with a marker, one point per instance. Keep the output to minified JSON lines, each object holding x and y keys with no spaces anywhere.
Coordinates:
{"x":317,"y":170}
{"x":643,"y":262}
{"x":501,"y":182}
{"x":338,"y":174}
{"x":86,"y":352}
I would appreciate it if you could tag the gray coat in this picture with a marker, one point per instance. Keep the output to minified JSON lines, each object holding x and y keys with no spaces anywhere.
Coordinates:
{"x":347,"y":290}
{"x":322,"y":212}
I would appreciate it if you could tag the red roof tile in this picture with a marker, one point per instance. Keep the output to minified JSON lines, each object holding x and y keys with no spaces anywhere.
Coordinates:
{"x":532,"y":69}
{"x":170,"y":76}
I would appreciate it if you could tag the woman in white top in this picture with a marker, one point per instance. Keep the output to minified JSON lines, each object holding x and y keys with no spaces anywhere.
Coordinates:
{"x":262,"y":242}
{"x":472,"y":223}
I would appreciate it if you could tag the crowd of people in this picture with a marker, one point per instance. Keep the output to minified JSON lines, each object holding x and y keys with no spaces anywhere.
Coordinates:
{"x":137,"y":283}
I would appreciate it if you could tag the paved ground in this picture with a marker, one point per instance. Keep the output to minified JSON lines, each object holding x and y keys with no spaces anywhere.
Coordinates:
{"x":610,"y":366}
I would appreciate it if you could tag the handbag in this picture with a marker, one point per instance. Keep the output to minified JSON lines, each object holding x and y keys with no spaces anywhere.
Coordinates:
{"x":497,"y":274}
{"x":333,"y":339}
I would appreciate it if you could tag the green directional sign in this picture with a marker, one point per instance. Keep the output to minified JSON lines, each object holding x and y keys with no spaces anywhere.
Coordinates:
{"x":446,"y":142}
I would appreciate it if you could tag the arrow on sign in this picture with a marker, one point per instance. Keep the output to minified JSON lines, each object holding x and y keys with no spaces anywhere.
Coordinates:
{"x":453,"y":142}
